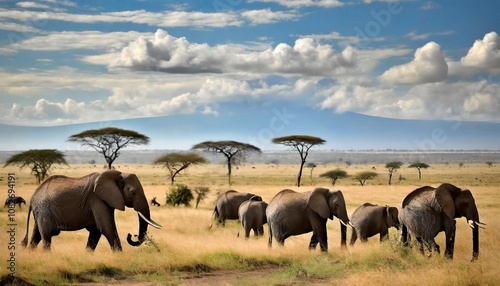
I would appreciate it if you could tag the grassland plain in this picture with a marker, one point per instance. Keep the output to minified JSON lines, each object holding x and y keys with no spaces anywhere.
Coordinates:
{"x":187,"y":252}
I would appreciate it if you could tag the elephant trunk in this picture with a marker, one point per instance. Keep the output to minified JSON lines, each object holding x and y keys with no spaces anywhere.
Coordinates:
{"x":475,"y":242}
{"x":144,"y":220}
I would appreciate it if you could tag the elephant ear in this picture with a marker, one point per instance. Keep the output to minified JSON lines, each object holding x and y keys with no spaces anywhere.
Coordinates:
{"x":387,"y":216}
{"x":445,"y":196}
{"x":318,"y":202}
{"x":108,"y":187}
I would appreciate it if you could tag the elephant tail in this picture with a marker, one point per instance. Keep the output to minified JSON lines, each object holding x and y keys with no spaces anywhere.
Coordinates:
{"x":24,"y":243}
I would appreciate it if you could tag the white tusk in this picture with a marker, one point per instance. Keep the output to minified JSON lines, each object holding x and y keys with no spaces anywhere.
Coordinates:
{"x":342,"y":222}
{"x":471,"y":223}
{"x":352,"y":225}
{"x":479,"y":224}
{"x":152,"y":223}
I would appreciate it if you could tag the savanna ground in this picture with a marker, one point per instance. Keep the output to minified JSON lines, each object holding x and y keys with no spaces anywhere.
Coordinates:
{"x":187,"y":252}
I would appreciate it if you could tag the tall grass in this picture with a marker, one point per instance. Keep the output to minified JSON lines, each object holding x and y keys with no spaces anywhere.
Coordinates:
{"x":187,"y":247}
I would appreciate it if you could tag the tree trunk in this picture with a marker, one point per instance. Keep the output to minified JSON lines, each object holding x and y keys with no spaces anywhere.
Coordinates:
{"x":300,"y":172}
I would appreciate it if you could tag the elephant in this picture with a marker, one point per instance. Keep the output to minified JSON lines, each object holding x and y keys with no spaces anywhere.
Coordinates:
{"x":227,"y":204}
{"x":369,"y":220}
{"x":14,"y":201}
{"x":293,"y":213}
{"x":61,"y":203}
{"x":427,"y":211}
{"x":252,"y":214}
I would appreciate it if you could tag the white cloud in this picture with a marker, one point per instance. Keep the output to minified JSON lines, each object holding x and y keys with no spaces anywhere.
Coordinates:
{"x":414,"y":36}
{"x":484,"y":55}
{"x":165,"y":53}
{"x":304,"y":3}
{"x":266,"y":16}
{"x":428,"y":66}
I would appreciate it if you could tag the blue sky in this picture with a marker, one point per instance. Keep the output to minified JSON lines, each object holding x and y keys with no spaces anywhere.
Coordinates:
{"x":71,"y":62}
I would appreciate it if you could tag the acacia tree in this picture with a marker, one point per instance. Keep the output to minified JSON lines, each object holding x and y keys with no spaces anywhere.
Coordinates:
{"x":418,"y":166}
{"x":235,"y":152}
{"x":109,"y":141}
{"x":302,"y":143}
{"x":311,"y":166}
{"x":391,"y":166}
{"x":334,"y":175}
{"x":364,"y":176}
{"x":176,"y":162}
{"x":39,"y":160}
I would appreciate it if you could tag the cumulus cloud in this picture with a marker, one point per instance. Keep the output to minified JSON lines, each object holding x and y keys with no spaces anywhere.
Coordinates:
{"x":305,"y":3}
{"x":266,"y":16}
{"x":166,"y":53}
{"x":484,"y":54}
{"x":428,"y":66}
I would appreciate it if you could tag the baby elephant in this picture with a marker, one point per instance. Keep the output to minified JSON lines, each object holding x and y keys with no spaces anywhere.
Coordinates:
{"x":252,"y":214}
{"x":369,"y":220}
{"x":15,"y":201}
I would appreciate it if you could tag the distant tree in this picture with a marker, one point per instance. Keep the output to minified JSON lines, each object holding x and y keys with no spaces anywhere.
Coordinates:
{"x":418,"y":166}
{"x":302,"y":143}
{"x":176,"y":162}
{"x":39,"y":160}
{"x":348,"y":163}
{"x":201,"y":194}
{"x":334,"y":175}
{"x":364,"y":176}
{"x":109,"y":141}
{"x":311,"y":166}
{"x":490,"y":164}
{"x":391,"y":166}
{"x":235,"y":152}
{"x":460,"y":165}
{"x":179,"y":194}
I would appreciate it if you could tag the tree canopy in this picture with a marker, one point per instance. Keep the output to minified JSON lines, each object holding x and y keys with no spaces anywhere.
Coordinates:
{"x":109,"y":141}
{"x":391,"y":166}
{"x":176,"y":162}
{"x":334,"y":175}
{"x":302,"y":143}
{"x":364,"y":176}
{"x":235,"y":152}
{"x":419,"y":166}
{"x":39,"y":160}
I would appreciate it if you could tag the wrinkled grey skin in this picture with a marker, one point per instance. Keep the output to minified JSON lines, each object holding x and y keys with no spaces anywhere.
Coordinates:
{"x":15,"y":200}
{"x":292,"y":213}
{"x":66,"y":204}
{"x":427,"y":211}
{"x":369,"y":220}
{"x":228,"y":203}
{"x":252,"y":215}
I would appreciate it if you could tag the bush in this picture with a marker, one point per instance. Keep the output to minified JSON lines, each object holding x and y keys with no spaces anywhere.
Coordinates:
{"x":179,"y":194}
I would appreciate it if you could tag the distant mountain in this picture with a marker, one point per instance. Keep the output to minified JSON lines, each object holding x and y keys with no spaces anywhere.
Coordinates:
{"x":257,"y":125}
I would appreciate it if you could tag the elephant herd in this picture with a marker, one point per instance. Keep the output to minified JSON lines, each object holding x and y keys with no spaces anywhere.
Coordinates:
{"x":64,"y":204}
{"x":425,"y":212}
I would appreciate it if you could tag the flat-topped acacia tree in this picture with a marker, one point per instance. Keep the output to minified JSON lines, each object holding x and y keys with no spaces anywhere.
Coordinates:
{"x":234,"y":151}
{"x":176,"y":162}
{"x":302,"y":143}
{"x":109,"y":141}
{"x":38,"y":160}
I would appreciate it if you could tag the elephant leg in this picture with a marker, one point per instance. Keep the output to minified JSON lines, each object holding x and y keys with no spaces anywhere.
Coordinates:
{"x":404,"y":235}
{"x":94,"y":236}
{"x":313,"y":243}
{"x":354,"y":236}
{"x":319,"y":235}
{"x":113,"y":240}
{"x":450,"y":229}
{"x":35,"y":237}
{"x":261,"y":231}
{"x":421,"y":244}
{"x":384,"y":234}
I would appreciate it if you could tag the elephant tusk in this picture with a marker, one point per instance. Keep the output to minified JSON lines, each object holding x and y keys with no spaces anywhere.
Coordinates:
{"x":152,"y":223}
{"x":352,"y":225}
{"x":480,"y":224}
{"x":471,"y":223}
{"x":343,"y":223}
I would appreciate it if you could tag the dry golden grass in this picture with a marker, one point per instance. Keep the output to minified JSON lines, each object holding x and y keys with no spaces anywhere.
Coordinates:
{"x":186,"y":246}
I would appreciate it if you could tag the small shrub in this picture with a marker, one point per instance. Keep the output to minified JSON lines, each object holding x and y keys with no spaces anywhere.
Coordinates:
{"x":179,"y":194}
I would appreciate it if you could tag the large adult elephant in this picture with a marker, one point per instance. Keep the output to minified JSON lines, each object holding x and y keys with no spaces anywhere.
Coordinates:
{"x":292,"y":213}
{"x":65,"y":204}
{"x":252,"y":215}
{"x":427,"y":211}
{"x":369,"y":220}
{"x":227,"y":204}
